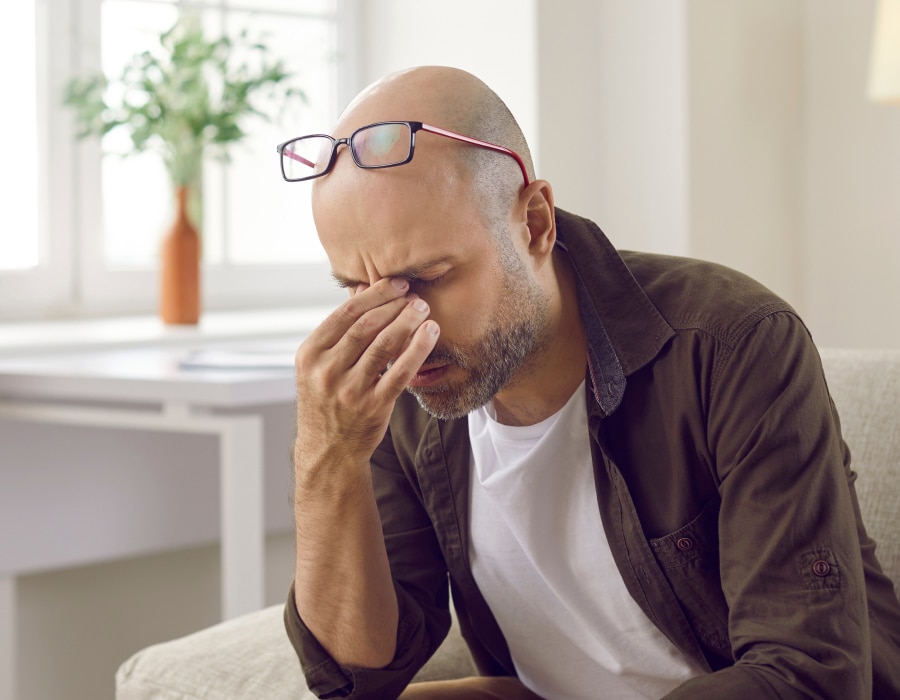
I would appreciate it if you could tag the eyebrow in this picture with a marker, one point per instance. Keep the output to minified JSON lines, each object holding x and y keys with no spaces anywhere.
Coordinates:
{"x":411,"y":273}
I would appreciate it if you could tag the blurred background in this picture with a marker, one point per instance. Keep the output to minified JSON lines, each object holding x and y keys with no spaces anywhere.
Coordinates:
{"x":739,"y":131}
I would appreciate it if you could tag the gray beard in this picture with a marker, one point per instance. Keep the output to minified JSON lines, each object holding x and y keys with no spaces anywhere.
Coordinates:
{"x":503,"y":356}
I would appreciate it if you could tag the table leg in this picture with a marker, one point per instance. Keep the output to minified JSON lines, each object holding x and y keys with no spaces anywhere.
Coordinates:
{"x":8,"y":632}
{"x":241,"y":471}
{"x":242,"y":516}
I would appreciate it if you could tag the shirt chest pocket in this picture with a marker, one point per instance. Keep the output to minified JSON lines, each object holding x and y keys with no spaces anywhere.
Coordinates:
{"x":689,"y":558}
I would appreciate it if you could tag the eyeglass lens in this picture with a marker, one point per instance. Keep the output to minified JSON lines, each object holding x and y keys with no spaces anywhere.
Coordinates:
{"x":306,"y":157}
{"x":381,"y":145}
{"x":376,"y":146}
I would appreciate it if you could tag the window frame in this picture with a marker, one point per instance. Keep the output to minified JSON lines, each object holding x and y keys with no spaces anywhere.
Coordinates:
{"x":49,"y":288}
{"x":72,"y":279}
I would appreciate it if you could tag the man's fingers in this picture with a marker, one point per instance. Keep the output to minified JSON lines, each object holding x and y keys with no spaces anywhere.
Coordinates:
{"x":405,"y":367}
{"x":339,"y":357}
{"x":380,"y":335}
{"x":364,"y":300}
{"x":390,"y":340}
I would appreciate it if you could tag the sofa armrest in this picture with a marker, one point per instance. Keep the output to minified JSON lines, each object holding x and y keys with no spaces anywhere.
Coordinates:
{"x":865,"y":386}
{"x":248,"y":657}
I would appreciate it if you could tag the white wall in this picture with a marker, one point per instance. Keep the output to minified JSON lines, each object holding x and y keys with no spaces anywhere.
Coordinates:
{"x":851,"y":193}
{"x":737,"y":132}
{"x":612,"y":84}
{"x":676,"y":126}
{"x":492,"y":39}
{"x":746,"y":108}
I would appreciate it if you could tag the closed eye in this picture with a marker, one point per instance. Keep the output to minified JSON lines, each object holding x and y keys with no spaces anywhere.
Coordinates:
{"x":425,"y":284}
{"x":343,"y":283}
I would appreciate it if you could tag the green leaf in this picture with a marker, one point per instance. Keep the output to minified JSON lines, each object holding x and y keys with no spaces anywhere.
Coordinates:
{"x":191,"y":94}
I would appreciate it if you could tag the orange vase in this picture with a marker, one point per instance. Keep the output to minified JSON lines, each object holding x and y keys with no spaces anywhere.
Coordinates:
{"x":179,"y":294}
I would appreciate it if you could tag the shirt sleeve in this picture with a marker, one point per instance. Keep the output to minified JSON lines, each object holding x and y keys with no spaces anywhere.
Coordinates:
{"x":420,"y":581}
{"x":790,"y":561}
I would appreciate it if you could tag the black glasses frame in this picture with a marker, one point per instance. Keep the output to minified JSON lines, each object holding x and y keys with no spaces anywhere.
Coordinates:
{"x":413,"y":128}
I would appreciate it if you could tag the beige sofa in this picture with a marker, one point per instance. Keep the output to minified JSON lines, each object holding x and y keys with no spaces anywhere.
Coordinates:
{"x":250,"y":657}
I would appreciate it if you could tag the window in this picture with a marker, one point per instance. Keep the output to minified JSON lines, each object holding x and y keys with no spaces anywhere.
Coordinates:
{"x":19,"y":184}
{"x":88,"y":221}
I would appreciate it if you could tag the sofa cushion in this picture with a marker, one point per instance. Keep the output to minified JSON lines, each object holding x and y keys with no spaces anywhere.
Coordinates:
{"x":248,"y":657}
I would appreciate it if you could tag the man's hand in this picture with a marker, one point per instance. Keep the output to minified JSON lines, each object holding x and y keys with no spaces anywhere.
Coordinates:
{"x":343,"y":588}
{"x":344,"y":394}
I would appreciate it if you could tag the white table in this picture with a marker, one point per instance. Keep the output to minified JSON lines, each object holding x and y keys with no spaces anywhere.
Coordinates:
{"x":148,"y":389}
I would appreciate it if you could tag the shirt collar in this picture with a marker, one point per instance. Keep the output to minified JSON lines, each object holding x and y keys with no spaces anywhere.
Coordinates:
{"x":624,"y":329}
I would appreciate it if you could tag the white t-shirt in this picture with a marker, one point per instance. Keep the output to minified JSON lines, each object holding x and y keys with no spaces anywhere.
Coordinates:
{"x":540,"y":557}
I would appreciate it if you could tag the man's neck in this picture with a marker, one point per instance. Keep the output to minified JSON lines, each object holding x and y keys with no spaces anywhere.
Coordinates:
{"x":549,"y":381}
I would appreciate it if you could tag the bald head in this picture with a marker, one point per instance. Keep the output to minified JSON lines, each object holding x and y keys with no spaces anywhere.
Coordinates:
{"x":447,"y":97}
{"x":458,"y":101}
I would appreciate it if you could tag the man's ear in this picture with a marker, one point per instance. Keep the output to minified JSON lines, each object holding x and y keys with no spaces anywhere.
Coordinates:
{"x":537,"y":200}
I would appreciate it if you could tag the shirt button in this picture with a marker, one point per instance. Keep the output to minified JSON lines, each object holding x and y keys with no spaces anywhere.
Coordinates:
{"x":684,"y":543}
{"x":821,"y":568}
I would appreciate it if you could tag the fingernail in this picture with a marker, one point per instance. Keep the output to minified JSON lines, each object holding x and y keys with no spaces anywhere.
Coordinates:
{"x":431,"y":328}
{"x":420,"y":305}
{"x":399,"y":282}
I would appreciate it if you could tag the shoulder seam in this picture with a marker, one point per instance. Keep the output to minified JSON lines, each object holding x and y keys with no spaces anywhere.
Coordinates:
{"x":740,"y":332}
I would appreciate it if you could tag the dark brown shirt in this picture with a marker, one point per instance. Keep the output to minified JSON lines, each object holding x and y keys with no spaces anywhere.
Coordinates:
{"x":723,"y":485}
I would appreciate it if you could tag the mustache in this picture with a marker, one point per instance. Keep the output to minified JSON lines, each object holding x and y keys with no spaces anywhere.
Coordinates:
{"x":450,"y":355}
{"x":440,"y":356}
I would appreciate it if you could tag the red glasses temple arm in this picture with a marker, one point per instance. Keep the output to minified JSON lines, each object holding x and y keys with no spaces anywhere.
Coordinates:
{"x":483,"y":144}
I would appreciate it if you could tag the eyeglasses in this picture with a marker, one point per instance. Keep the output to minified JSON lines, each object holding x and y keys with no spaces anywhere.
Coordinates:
{"x":381,"y":145}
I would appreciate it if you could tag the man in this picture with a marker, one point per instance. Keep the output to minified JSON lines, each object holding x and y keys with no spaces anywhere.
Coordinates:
{"x":628,"y":465}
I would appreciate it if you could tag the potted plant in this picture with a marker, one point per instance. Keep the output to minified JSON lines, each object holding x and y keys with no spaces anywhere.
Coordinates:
{"x":184,"y":101}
